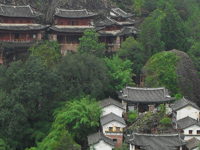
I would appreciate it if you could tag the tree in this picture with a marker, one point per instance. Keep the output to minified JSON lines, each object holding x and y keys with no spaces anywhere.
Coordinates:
{"x":165,"y":121}
{"x":2,"y":145}
{"x":80,"y":117}
{"x":173,"y":31}
{"x":120,"y":73}
{"x":83,"y":74}
{"x":132,"y":116}
{"x":133,"y":51}
{"x":33,"y":93}
{"x":194,"y":53}
{"x":150,"y":35}
{"x":47,"y":51}
{"x":89,"y":44}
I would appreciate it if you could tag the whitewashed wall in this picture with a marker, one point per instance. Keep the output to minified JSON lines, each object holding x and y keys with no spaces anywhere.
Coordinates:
{"x":113,"y":124}
{"x":112,"y":109}
{"x":194,"y":129}
{"x":187,"y":137}
{"x":187,"y":111}
{"x":101,"y":145}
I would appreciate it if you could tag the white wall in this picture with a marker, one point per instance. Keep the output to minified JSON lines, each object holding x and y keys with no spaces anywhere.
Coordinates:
{"x":194,"y":129}
{"x":101,"y":145}
{"x":188,"y":111}
{"x":112,"y":124}
{"x":112,"y":109}
{"x":187,"y":137}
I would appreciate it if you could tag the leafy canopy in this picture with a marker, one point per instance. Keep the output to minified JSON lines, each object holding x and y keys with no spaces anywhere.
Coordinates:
{"x":120,"y":73}
{"x":133,"y":51}
{"x":89,"y":44}
{"x":49,"y":51}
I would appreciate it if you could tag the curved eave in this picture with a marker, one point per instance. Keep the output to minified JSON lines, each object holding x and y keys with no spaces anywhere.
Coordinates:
{"x":23,"y":28}
{"x":21,"y":16}
{"x":75,"y":17}
{"x":147,"y":102}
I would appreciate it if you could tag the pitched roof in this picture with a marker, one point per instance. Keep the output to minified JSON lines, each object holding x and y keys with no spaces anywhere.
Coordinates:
{"x":70,"y":29}
{"x":182,"y":103}
{"x":111,"y":117}
{"x":95,"y":138}
{"x":110,"y":101}
{"x":22,"y":27}
{"x":192,"y":143}
{"x":156,"y":142}
{"x":117,"y":12}
{"x":107,"y":22}
{"x":187,"y":122}
{"x":18,"y":11}
{"x":73,"y":13}
{"x":145,"y":95}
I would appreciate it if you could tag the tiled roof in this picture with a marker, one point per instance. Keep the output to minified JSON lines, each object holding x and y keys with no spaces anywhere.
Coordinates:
{"x":182,"y":103}
{"x":187,"y":122}
{"x":111,"y":117}
{"x":107,"y":22}
{"x":145,"y":95}
{"x":117,"y":12}
{"x":18,"y":11}
{"x":95,"y":138}
{"x":192,"y":143}
{"x":110,"y":101}
{"x":22,"y":27}
{"x":155,"y":142}
{"x":73,"y":13}
{"x":71,"y":29}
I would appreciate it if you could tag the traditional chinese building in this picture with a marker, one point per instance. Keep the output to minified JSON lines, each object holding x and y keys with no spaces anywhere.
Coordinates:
{"x":69,"y":26}
{"x":18,"y":27}
{"x":117,"y":27}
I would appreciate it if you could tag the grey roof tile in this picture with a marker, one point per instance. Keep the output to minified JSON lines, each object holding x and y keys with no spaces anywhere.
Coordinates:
{"x":73,"y":13}
{"x":95,"y":138}
{"x":18,"y":11}
{"x":182,"y":103}
{"x":192,"y":143}
{"x":71,"y":29}
{"x":156,"y":142}
{"x":145,"y":95}
{"x":187,"y":122}
{"x":120,"y":13}
{"x":111,"y":117}
{"x":110,"y":101}
{"x":21,"y":27}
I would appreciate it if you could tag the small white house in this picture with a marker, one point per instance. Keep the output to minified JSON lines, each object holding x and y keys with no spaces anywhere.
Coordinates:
{"x":112,"y":123}
{"x":190,"y":127}
{"x":184,"y":108}
{"x":99,"y":141}
{"x":112,"y":126}
{"x":112,"y":106}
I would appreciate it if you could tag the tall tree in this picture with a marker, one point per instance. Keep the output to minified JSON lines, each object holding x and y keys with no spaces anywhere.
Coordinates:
{"x":150,"y":36}
{"x":133,"y":51}
{"x":89,"y":44}
{"x":120,"y":73}
{"x":173,"y":31}
{"x":49,"y":51}
{"x":83,"y":74}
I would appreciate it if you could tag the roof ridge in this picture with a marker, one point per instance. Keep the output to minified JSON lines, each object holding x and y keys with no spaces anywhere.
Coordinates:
{"x":71,"y":9}
{"x":158,"y":88}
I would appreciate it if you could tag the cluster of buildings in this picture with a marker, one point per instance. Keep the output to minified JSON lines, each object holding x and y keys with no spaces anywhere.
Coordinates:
{"x":18,"y":28}
{"x":184,"y":132}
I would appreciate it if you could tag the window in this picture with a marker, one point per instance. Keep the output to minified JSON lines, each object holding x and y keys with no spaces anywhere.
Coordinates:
{"x":190,"y":131}
{"x":6,"y":20}
{"x":28,"y":21}
{"x":114,"y":140}
{"x":118,"y":129}
{"x":13,"y":21}
{"x":21,"y":21}
{"x":73,"y":23}
{"x":198,"y":131}
{"x":2,"y":36}
{"x":110,"y":129}
{"x":68,"y":22}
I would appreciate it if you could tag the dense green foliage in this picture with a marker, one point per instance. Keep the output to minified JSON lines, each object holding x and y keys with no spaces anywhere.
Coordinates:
{"x":83,"y":74}
{"x":47,"y":51}
{"x":161,"y":71}
{"x":132,"y":116}
{"x":89,"y":44}
{"x":165,"y":121}
{"x":194,"y":53}
{"x":133,"y":51}
{"x":119,"y":72}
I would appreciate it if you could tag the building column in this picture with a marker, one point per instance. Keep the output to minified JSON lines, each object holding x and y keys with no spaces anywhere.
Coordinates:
{"x":54,"y":37}
{"x":39,"y":36}
{"x":118,"y":40}
{"x":131,"y":147}
{"x":181,"y":148}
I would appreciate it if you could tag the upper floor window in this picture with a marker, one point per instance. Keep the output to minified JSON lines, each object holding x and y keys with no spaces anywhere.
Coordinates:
{"x":21,"y":21}
{"x":190,"y":131}
{"x":6,"y":20}
{"x":198,"y":131}
{"x":13,"y":20}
